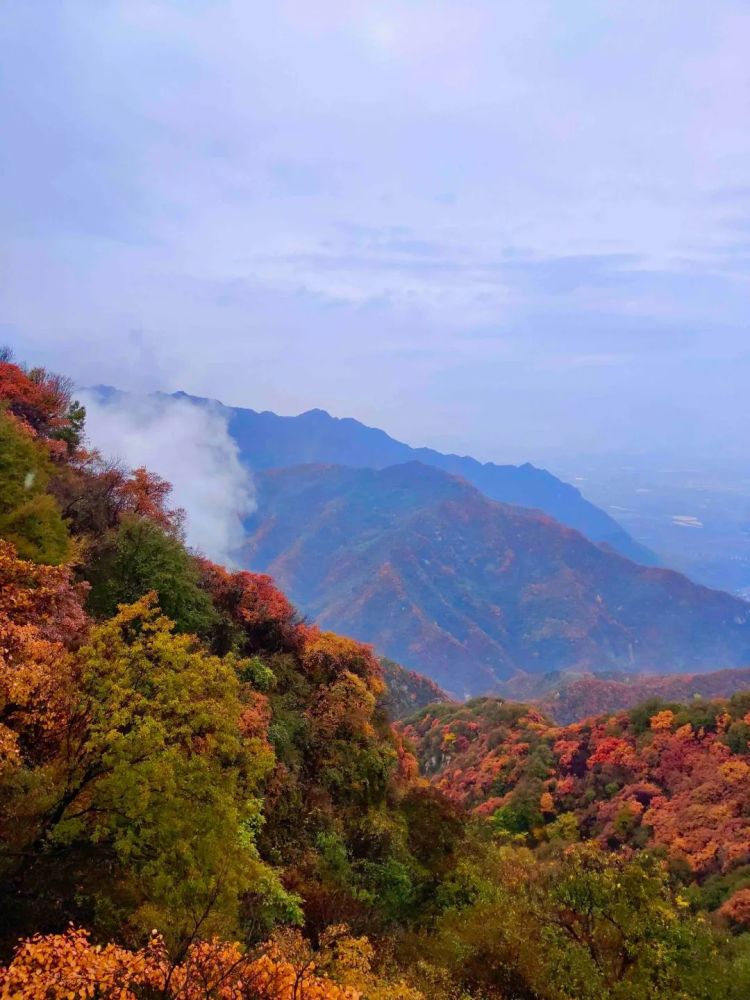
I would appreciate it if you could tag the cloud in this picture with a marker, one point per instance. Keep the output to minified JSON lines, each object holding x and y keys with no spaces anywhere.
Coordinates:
{"x":188,"y":444}
{"x":686,"y":521}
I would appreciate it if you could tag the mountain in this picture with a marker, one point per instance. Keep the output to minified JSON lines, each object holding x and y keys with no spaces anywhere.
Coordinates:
{"x":406,"y":691}
{"x":471,"y":591}
{"x":566,"y":697}
{"x":268,"y":441}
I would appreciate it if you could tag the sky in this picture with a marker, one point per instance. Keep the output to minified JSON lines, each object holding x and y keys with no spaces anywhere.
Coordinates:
{"x":510,"y":229}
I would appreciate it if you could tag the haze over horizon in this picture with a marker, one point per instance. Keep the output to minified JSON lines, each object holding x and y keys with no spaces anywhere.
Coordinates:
{"x":510,"y":231}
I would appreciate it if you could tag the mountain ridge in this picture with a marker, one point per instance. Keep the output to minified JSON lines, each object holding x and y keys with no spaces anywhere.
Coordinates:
{"x":471,"y":591}
{"x":268,"y":440}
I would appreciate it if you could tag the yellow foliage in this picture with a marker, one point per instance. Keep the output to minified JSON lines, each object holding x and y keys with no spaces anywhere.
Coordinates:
{"x":546,"y":803}
{"x":662,"y":720}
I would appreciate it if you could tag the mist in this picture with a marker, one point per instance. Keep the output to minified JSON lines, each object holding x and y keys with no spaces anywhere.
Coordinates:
{"x":189,"y":445}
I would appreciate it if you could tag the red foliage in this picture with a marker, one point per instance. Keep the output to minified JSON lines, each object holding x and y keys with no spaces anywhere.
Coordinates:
{"x":672,"y":785}
{"x":254,"y":603}
{"x":468,"y":756}
{"x":40,"y":597}
{"x":145,"y":494}
{"x":37,"y":399}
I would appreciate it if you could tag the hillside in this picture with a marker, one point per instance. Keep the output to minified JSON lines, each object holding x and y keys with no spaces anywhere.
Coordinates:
{"x":668,"y":776}
{"x":406,"y":691}
{"x":567,"y":697}
{"x":202,"y":794}
{"x":268,"y":441}
{"x":470,"y":591}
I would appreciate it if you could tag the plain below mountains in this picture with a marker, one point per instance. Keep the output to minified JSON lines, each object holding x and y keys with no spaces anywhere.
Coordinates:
{"x":471,"y":591}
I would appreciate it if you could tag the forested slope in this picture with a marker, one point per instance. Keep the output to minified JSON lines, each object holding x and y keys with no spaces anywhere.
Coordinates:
{"x":470,"y":591}
{"x":201,"y":795}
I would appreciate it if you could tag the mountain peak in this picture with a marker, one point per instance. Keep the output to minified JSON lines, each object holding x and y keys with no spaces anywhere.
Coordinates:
{"x":317,"y":414}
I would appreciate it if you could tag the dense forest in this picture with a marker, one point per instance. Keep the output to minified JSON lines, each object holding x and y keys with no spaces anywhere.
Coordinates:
{"x":204,"y":795}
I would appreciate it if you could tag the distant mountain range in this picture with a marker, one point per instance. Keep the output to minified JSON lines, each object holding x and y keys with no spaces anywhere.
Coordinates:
{"x":471,"y":591}
{"x":567,"y":697}
{"x":269,"y":441}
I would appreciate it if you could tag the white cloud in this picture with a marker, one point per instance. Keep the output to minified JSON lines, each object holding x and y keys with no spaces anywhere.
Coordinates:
{"x":686,"y":521}
{"x":189,"y":445}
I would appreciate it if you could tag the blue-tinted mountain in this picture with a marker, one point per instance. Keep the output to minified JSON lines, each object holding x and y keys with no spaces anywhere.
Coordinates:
{"x":269,"y":441}
{"x":470,"y":591}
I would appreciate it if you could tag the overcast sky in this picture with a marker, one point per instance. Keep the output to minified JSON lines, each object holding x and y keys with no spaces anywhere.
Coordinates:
{"x":508,"y":228}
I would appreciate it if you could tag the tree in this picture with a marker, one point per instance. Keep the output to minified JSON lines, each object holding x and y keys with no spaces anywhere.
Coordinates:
{"x":153,"y":777}
{"x":29,"y":517}
{"x":140,"y":556}
{"x":254,"y":615}
{"x":41,"y":401}
{"x":585,"y":924}
{"x":68,"y":965}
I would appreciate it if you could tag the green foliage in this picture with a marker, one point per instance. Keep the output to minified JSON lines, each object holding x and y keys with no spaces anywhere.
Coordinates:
{"x":737,"y":737}
{"x":718,"y":888}
{"x":29,"y":517}
{"x":139,"y":557}
{"x":584,"y":925}
{"x":739,"y":704}
{"x":72,"y":432}
{"x":701,"y":714}
{"x":563,"y":830}
{"x":254,"y":671}
{"x":640,"y":715}
{"x":508,"y":819}
{"x":390,"y":888}
{"x":162,"y":778}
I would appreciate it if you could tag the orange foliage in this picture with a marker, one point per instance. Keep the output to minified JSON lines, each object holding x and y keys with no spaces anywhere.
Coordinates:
{"x":256,"y":716}
{"x":473,"y":758}
{"x":662,"y":720}
{"x":59,"y":966}
{"x":615,"y":752}
{"x":546,"y":803}
{"x":40,"y":609}
{"x":565,"y":750}
{"x":39,"y":596}
{"x":703,"y":810}
{"x":684,"y":790}
{"x":327,"y":656}
{"x":737,"y":909}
